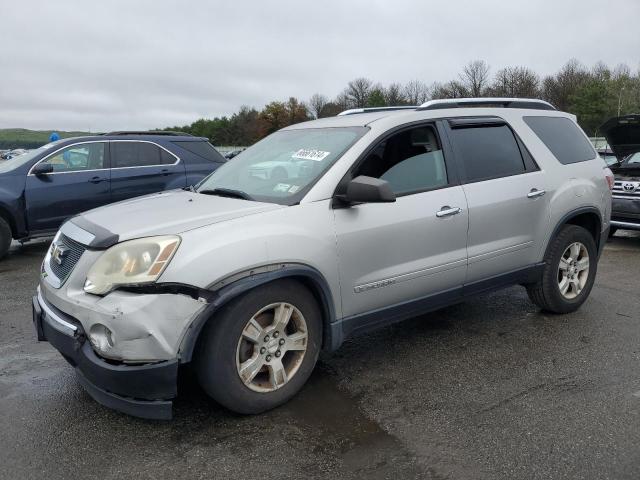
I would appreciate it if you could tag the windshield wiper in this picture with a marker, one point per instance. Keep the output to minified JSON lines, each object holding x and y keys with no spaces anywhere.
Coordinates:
{"x":227,"y":192}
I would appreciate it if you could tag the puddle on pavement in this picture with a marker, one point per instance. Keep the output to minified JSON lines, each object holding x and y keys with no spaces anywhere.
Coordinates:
{"x":322,"y":419}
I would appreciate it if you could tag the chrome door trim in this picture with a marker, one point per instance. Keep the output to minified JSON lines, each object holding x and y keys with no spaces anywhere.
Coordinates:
{"x":30,"y":174}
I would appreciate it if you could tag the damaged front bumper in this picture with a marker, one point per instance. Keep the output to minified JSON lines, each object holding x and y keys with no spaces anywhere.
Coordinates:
{"x":143,"y":390}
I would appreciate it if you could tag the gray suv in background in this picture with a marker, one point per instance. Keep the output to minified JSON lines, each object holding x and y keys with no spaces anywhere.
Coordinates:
{"x":374,"y":216}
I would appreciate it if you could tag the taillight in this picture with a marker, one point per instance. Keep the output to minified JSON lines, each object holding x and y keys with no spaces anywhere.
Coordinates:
{"x":608,"y":174}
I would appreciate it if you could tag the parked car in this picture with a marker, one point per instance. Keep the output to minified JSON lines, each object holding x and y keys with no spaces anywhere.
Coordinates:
{"x":8,"y":155}
{"x":623,"y":135}
{"x":234,"y":153}
{"x":249,"y":277}
{"x":41,"y":189}
{"x":608,"y":156}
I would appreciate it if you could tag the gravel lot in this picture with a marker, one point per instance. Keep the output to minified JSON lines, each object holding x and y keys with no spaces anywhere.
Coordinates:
{"x":491,"y":388}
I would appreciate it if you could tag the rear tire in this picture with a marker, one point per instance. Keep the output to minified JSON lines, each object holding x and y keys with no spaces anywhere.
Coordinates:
{"x":5,"y":237}
{"x":261,"y":348}
{"x":569,"y":271}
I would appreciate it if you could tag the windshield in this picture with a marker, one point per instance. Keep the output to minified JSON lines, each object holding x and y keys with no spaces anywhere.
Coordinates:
{"x":15,"y":162}
{"x":633,"y":159}
{"x":282,"y":167}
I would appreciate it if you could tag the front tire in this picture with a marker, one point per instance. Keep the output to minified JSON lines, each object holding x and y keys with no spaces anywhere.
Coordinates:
{"x":569,"y":271}
{"x":261,"y":348}
{"x":5,"y":237}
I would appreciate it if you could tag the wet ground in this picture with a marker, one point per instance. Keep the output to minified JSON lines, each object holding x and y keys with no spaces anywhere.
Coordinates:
{"x":487,"y":389}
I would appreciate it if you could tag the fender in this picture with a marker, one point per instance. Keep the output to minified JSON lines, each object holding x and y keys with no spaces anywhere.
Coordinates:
{"x":572,"y":214}
{"x":312,"y":277}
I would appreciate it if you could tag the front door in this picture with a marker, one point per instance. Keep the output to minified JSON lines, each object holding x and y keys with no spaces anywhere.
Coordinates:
{"x":390,"y":253}
{"x":80,"y":181}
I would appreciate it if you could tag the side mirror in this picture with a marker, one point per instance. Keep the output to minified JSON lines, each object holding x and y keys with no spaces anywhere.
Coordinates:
{"x":42,"y":169}
{"x":365,"y":189}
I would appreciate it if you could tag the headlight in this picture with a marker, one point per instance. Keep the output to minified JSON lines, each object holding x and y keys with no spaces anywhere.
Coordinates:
{"x":133,"y":262}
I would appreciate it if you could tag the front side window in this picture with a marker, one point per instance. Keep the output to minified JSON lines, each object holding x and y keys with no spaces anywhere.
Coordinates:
{"x":411,"y":161}
{"x":283,"y":166}
{"x":86,"y":156}
{"x":487,"y":152}
{"x":139,"y":154}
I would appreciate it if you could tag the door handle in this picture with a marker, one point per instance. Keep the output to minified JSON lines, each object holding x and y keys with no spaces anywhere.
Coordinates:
{"x":97,"y":180}
{"x":535,"y":193}
{"x":447,"y":211}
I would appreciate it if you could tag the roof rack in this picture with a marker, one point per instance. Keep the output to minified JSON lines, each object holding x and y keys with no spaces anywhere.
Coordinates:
{"x":530,"y":103}
{"x":353,"y":111}
{"x":155,"y":132}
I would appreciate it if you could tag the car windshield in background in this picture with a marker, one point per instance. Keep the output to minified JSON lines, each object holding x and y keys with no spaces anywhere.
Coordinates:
{"x":282,"y":167}
{"x":633,"y":159}
{"x":15,"y":162}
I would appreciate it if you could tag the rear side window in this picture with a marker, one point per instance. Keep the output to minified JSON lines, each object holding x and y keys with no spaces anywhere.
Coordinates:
{"x":488,"y":152}
{"x":563,"y":137}
{"x":139,"y":154}
{"x":202,"y":149}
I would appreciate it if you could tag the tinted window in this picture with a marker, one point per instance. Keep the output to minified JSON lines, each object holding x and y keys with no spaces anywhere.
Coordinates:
{"x":138,"y":154}
{"x":202,"y":149}
{"x":86,"y":156}
{"x":563,"y":137}
{"x":488,"y":152}
{"x":411,"y":161}
{"x":166,"y":158}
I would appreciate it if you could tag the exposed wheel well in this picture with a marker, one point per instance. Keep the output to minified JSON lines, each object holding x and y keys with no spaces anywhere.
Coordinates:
{"x":306,"y":276}
{"x":9,"y":219}
{"x":590,"y":222}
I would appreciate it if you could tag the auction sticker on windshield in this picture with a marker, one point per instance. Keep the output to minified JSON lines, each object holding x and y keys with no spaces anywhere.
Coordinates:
{"x":309,"y":154}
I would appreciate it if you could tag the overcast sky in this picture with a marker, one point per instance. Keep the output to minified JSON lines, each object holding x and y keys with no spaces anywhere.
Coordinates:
{"x":103,"y":65}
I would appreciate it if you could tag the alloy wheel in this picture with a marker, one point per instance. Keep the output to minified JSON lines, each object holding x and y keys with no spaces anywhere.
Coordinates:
{"x":573,"y":270}
{"x":272,"y":346}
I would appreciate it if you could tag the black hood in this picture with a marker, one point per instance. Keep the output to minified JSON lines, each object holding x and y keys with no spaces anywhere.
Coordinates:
{"x":622,"y":134}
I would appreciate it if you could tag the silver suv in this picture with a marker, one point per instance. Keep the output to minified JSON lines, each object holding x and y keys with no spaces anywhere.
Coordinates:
{"x":367,"y":218}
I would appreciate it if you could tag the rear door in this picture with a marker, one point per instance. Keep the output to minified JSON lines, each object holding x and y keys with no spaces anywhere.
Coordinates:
{"x":506,"y":197}
{"x":142,"y":167}
{"x":79,"y":182}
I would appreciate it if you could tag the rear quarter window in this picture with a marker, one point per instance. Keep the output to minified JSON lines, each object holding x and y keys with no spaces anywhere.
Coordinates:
{"x":202,"y":149}
{"x":563,"y":137}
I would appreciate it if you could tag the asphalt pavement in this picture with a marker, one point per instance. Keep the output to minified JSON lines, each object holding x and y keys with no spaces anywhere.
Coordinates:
{"x":488,"y":389}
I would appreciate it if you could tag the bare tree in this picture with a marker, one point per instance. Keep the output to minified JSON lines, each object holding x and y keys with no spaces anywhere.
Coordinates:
{"x":516,"y":82}
{"x":559,"y":88}
{"x":393,"y":95}
{"x":416,"y":92}
{"x":475,"y":78}
{"x":358,"y":92}
{"x":317,"y":103}
{"x":452,"y":89}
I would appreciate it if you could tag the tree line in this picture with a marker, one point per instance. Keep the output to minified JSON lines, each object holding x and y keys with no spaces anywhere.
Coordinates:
{"x":593,"y":94}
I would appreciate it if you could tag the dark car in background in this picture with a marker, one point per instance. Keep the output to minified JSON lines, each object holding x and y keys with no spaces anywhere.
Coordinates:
{"x":40,"y":189}
{"x":623,"y":137}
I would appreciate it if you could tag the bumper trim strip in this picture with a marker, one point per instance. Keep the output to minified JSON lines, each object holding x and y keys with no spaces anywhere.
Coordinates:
{"x":58,"y":323}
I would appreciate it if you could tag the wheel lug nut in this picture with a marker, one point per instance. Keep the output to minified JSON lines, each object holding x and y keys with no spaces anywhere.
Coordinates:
{"x":268,"y":359}
{"x":281,"y":342}
{"x":266,"y":338}
{"x":262,"y":350}
{"x":278,"y":353}
{"x":275,"y":334}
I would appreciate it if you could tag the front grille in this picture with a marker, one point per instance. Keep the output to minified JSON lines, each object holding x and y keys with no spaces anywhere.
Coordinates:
{"x":620,"y":191}
{"x":62,"y":264}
